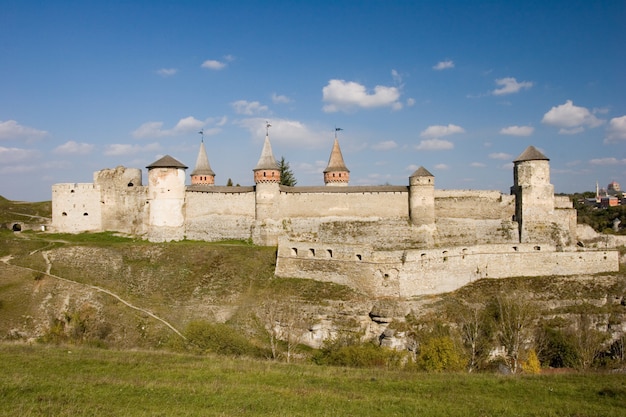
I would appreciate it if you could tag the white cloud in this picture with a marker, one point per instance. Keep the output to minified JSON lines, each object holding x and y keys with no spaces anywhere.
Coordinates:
{"x":185,"y":125}
{"x":510,"y":85}
{"x":13,"y":155}
{"x":71,"y":147}
{"x":117,"y":149}
{"x":477,"y":165}
{"x":384,"y":145}
{"x":345,"y":96}
{"x":500,"y":155}
{"x":434,"y":145}
{"x":517,"y":130}
{"x":410,"y":102}
{"x":617,"y":130}
{"x":570,"y":119}
{"x":437,"y":131}
{"x":442,"y":65}
{"x":607,"y":161}
{"x":11,"y":130}
{"x":280,"y":99}
{"x":213,"y":64}
{"x":248,"y":108}
{"x":442,"y":167}
{"x":286,"y":132}
{"x":167,"y":72}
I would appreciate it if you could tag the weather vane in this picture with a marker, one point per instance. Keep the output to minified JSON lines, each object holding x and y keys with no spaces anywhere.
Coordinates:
{"x":201,"y":132}
{"x":337,"y":129}
{"x":267,"y":128}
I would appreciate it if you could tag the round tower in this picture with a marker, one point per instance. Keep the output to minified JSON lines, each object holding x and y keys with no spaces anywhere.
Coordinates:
{"x":166,"y":195}
{"x":267,"y":180}
{"x":534,"y":195}
{"x":202,"y":173}
{"x":336,"y":173}
{"x":422,"y":197}
{"x":266,"y":170}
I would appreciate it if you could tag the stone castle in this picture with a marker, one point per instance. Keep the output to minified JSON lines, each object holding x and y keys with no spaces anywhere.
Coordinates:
{"x":386,"y":241}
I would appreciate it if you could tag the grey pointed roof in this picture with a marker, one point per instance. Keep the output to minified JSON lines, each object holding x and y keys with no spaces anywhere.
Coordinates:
{"x":421,"y":172}
{"x":531,"y":154}
{"x":335,"y":162}
{"x":202,"y":163}
{"x":266,"y":161}
{"x":167,"y":162}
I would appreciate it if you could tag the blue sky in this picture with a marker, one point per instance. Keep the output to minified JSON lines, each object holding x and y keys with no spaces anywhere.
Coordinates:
{"x":459,"y":87}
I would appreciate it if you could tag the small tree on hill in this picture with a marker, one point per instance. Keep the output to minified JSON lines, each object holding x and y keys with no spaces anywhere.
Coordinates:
{"x":286,"y":174}
{"x":229,"y":183}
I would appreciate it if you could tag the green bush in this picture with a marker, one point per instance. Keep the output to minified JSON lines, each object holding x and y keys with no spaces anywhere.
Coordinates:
{"x":350,"y":352}
{"x":440,"y":354}
{"x":204,"y":337}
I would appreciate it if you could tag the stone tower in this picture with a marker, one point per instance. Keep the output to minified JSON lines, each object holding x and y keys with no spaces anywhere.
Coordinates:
{"x":336,"y":173}
{"x":166,"y":199}
{"x":422,"y":198}
{"x":202,"y":174}
{"x":267,"y":180}
{"x":534,"y":196}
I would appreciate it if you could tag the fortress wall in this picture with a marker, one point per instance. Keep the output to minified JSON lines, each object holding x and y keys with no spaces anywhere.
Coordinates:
{"x":464,"y":231}
{"x":76,"y":208}
{"x":220,"y":215}
{"x":474,"y":204}
{"x":201,"y":204}
{"x":378,"y":233}
{"x":218,"y":227}
{"x":386,"y":204}
{"x":562,"y":202}
{"x":419,"y":272}
{"x":125,"y":209}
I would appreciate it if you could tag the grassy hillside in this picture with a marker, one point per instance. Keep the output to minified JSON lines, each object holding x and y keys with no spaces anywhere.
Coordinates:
{"x":116,"y":292}
{"x":18,"y":211}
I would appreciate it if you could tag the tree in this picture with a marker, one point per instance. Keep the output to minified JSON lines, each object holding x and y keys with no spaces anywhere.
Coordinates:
{"x":475,"y":332}
{"x":229,"y":183}
{"x":588,"y":341}
{"x":513,"y":318}
{"x":286,"y":174}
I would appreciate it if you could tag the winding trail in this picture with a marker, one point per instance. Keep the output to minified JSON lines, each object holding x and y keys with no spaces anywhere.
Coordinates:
{"x":6,"y":260}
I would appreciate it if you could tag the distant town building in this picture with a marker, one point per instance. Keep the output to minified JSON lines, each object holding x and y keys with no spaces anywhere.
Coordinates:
{"x":613,"y":188}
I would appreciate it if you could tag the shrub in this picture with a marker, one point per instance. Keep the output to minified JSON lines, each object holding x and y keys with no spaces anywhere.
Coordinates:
{"x":349,"y":351}
{"x":531,"y":365}
{"x":204,"y":337}
{"x":440,"y":354}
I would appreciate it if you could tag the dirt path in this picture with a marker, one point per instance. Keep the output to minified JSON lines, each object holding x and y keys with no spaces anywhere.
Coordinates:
{"x":6,"y":260}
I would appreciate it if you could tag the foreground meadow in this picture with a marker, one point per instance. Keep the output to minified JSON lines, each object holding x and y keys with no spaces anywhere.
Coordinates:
{"x":39,"y":380}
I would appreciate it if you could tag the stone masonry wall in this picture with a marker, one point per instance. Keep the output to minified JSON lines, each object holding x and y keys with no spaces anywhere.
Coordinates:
{"x":412,"y":272}
{"x":76,"y":208}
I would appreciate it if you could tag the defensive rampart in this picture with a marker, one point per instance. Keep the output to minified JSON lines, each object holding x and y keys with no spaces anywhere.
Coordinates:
{"x":411,"y":272}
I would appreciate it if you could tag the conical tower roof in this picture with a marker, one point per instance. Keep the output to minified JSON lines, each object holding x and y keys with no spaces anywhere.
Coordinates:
{"x":202,"y":163}
{"x":421,"y":172}
{"x":167,"y":162}
{"x":531,"y":154}
{"x":266,"y":161}
{"x":335,"y":162}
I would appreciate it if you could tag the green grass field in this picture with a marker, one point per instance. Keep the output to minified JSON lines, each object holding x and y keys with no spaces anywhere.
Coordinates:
{"x":38,"y":380}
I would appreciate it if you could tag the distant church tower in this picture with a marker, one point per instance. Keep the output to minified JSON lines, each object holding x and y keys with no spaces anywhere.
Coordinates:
{"x":336,"y":173}
{"x":202,"y":174}
{"x":534,"y":195}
